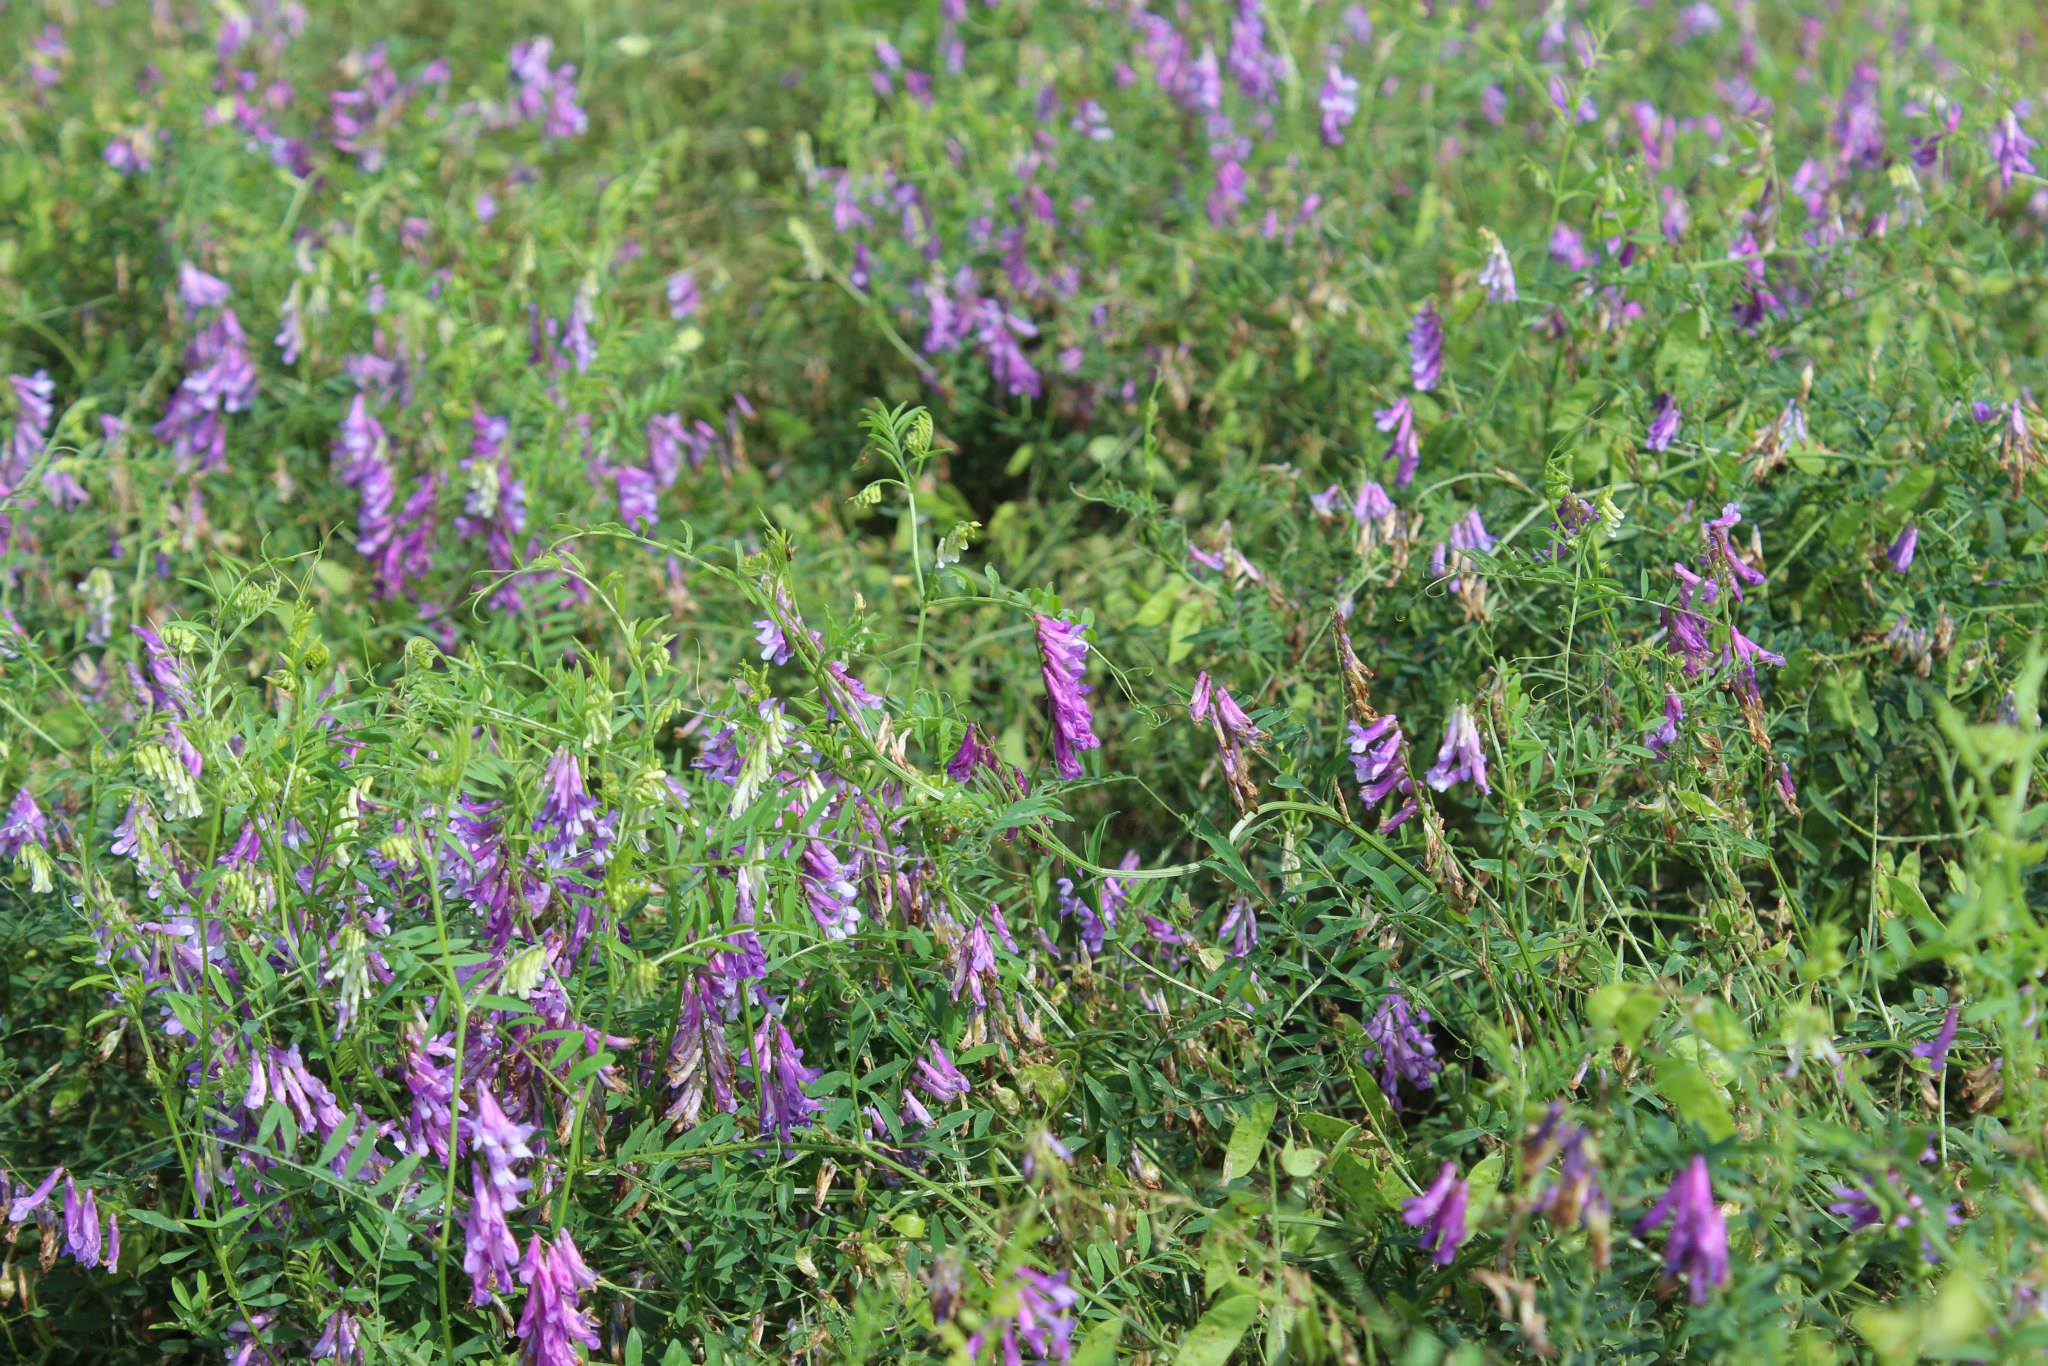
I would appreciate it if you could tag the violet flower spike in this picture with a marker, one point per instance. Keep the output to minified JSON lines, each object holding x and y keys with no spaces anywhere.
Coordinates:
{"x":1398,"y":1047}
{"x":1426,"y":348}
{"x":1440,"y":1213}
{"x":1696,"y":1248}
{"x":1935,"y":1050}
{"x":1063,"y":659}
{"x":1404,"y":447}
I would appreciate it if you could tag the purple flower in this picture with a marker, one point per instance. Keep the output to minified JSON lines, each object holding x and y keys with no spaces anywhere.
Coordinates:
{"x":1663,"y":424}
{"x":998,"y":330}
{"x":1696,"y":1249}
{"x":554,"y":1322}
{"x":1372,"y":506}
{"x":340,"y":1340}
{"x":682,"y":294}
{"x":971,"y":957}
{"x":1398,"y":1047}
{"x":567,"y":809}
{"x":1900,"y":555}
{"x":2010,"y":144}
{"x":1666,"y":735}
{"x":199,"y":291}
{"x":784,"y":1105}
{"x":25,"y":1205}
{"x":1404,"y":447}
{"x":1497,"y":272}
{"x":1379,"y":761}
{"x":1440,"y":1213}
{"x":1568,"y":248}
{"x":24,"y":824}
{"x":700,"y":1063}
{"x":973,"y":753}
{"x":1063,"y":659}
{"x":81,"y":1225}
{"x":639,"y":497}
{"x":1035,"y":1312}
{"x":1425,"y":349}
{"x":1239,"y":932}
{"x":1935,"y":1050}
{"x":829,"y":889}
{"x":1461,"y":758}
{"x":942,"y":1081}
{"x":1338,"y":100}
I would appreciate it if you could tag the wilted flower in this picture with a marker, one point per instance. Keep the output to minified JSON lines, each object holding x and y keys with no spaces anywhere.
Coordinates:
{"x":1461,"y":758}
{"x":1440,"y":1213}
{"x":1063,"y":659}
{"x":1696,"y":1249}
{"x":1398,"y":1047}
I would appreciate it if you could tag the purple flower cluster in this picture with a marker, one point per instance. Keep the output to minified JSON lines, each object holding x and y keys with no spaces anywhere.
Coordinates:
{"x":1063,"y":661}
{"x":77,"y":1233}
{"x":1696,"y":1248}
{"x":1398,"y":1045}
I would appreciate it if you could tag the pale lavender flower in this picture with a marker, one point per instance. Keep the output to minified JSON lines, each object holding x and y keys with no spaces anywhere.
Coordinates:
{"x":81,"y":1225}
{"x":639,"y":496}
{"x":25,"y":1205}
{"x":1239,"y":932}
{"x":1497,"y":272}
{"x":1338,"y":100}
{"x":1440,"y":1213}
{"x":1063,"y":659}
{"x":198,"y":290}
{"x":971,"y":957}
{"x":582,"y":314}
{"x":1568,"y":248}
{"x":1404,"y":447}
{"x":2010,"y":145}
{"x":700,"y":1062}
{"x":1461,"y":758}
{"x":1663,"y":424}
{"x":1397,"y":1045}
{"x":1696,"y":1249}
{"x":567,"y":810}
{"x":682,"y":294}
{"x":1900,"y":555}
{"x":1425,"y":348}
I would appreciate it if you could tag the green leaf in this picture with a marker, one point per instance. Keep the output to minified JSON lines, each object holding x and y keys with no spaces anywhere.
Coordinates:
{"x":1099,"y":1347}
{"x":1211,"y":1341}
{"x":1695,"y":1096}
{"x":1248,"y":1139}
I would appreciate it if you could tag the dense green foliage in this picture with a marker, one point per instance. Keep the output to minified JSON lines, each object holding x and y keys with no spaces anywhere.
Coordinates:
{"x":579,"y":730}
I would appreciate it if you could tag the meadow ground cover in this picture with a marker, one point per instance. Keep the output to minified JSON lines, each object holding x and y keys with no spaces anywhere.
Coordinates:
{"x":1022,"y":681}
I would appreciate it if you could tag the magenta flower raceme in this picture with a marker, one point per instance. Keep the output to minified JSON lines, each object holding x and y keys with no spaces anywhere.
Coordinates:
{"x":1063,"y":659}
{"x":1462,"y":758}
{"x":1398,"y":1047}
{"x":1403,"y":447}
{"x":1426,"y":348}
{"x":1440,"y":1213}
{"x":554,"y":1322}
{"x":1900,"y":555}
{"x":1696,"y":1248}
{"x":1663,"y":424}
